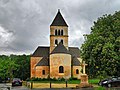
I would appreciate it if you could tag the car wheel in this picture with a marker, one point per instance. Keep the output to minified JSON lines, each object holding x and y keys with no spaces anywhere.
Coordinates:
{"x":109,"y":85}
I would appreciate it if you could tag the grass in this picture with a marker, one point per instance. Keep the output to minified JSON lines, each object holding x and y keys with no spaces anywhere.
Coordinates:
{"x":100,"y":88}
{"x":91,"y":81}
{"x":94,"y":81}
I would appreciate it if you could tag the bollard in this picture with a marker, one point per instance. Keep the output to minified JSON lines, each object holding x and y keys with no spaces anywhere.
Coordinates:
{"x":66,"y":84}
{"x":31,"y":85}
{"x":50,"y":84}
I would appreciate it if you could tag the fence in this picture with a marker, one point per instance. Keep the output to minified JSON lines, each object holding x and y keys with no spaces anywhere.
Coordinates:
{"x":50,"y":85}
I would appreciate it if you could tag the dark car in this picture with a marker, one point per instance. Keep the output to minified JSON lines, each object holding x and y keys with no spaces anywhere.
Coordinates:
{"x":0,"y":80}
{"x":110,"y":82}
{"x":16,"y":82}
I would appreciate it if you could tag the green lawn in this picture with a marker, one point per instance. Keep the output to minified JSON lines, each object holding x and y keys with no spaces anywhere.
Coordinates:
{"x":91,"y":81}
{"x":94,"y":81}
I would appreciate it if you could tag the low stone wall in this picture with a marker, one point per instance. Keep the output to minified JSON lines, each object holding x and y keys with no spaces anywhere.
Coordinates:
{"x":53,"y":85}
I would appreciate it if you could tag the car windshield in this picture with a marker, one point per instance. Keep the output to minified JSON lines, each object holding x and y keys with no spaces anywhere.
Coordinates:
{"x":15,"y":79}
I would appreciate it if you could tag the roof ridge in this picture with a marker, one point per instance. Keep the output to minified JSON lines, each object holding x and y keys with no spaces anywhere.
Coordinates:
{"x":60,"y":48}
{"x":59,"y":20}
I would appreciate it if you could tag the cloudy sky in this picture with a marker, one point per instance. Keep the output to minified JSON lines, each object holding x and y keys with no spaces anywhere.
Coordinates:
{"x":24,"y":24}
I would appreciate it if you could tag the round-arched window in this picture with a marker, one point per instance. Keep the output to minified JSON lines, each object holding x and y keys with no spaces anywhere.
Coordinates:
{"x":56,"y":32}
{"x":77,"y":71}
{"x":61,"y":69}
{"x":62,"y":41}
{"x":61,"y":32}
{"x":56,"y":41}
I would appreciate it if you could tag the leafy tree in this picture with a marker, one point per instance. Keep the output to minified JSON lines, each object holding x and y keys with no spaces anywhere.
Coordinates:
{"x":101,"y":49}
{"x":15,"y":66}
{"x":7,"y":65}
{"x":23,"y":71}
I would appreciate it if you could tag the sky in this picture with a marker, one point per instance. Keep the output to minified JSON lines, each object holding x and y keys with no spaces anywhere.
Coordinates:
{"x":25,"y":24}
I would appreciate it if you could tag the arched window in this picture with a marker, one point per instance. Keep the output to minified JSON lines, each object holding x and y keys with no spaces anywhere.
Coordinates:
{"x":77,"y":71}
{"x":62,"y":41}
{"x":56,"y":41}
{"x":61,"y":32}
{"x":43,"y":72}
{"x":61,"y":69}
{"x":56,"y":32}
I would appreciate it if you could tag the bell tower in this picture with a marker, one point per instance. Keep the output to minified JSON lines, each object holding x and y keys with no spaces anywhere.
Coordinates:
{"x":58,"y":32}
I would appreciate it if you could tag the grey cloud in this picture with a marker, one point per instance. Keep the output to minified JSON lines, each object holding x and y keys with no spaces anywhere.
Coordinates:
{"x":29,"y":20}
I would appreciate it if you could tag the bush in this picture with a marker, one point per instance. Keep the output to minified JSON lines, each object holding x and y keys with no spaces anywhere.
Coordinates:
{"x":73,"y":78}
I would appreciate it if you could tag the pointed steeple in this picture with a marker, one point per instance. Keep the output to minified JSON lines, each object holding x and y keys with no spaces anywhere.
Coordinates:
{"x":59,"y":20}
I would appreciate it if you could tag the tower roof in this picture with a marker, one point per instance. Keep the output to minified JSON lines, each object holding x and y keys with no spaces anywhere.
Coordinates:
{"x":60,"y":48}
{"x":59,"y":20}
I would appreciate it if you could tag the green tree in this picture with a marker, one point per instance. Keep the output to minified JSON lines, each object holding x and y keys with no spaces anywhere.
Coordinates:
{"x":23,"y":71}
{"x":7,"y":65}
{"x":101,"y":49}
{"x":15,"y":66}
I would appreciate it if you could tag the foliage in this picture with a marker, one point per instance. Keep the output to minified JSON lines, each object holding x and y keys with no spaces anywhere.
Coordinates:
{"x":15,"y":66}
{"x":101,"y":49}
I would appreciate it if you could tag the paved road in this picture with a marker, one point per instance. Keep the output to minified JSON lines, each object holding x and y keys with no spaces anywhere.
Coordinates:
{"x":25,"y":88}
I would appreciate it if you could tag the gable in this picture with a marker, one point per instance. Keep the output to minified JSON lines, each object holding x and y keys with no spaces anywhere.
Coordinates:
{"x":60,"y":48}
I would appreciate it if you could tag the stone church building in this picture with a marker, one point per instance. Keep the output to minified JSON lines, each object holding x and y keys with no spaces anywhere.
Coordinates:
{"x":58,"y":60}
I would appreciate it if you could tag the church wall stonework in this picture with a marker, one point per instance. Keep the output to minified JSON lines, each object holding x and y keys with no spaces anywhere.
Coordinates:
{"x":75,"y":75}
{"x":33,"y":62}
{"x":53,"y":28}
{"x":39,"y":71}
{"x":57,"y":60}
{"x":53,"y":37}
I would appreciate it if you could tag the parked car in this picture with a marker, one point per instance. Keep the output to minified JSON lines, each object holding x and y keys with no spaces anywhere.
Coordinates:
{"x":110,"y":82}
{"x":0,"y":80}
{"x":16,"y":82}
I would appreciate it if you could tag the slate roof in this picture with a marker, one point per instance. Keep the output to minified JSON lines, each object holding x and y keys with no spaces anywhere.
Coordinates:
{"x":59,"y":20}
{"x":43,"y":62}
{"x":60,"y":48}
{"x":41,"y":52}
{"x":74,"y":51}
{"x":75,"y":61}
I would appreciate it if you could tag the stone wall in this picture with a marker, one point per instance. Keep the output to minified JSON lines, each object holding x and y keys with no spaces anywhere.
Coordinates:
{"x":53,"y":36}
{"x":75,"y":75}
{"x":33,"y":62}
{"x":39,"y":70}
{"x":74,"y":68}
{"x":57,"y":60}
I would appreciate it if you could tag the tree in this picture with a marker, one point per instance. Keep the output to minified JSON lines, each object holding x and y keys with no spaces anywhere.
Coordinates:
{"x":7,"y":65}
{"x":23,"y":71}
{"x":101,"y":49}
{"x":15,"y":66}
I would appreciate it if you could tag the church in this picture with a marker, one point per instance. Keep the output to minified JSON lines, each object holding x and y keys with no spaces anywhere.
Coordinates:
{"x":58,"y":60}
